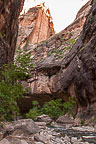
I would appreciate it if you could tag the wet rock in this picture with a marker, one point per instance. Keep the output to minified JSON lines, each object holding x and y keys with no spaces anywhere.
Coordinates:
{"x":75,"y":140}
{"x":44,"y":118}
{"x":42,"y":125}
{"x":84,"y":128}
{"x":65,"y":120}
{"x":40,"y":138}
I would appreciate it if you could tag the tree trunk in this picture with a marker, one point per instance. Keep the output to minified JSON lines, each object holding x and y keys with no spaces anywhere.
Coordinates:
{"x":9,"y":12}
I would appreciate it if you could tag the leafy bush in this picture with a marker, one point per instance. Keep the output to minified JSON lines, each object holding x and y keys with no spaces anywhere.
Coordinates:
{"x":68,"y":107}
{"x":35,"y":111}
{"x":72,"y":41}
{"x":11,"y":88}
{"x":53,"y":108}
{"x":68,"y":47}
{"x":82,"y":123}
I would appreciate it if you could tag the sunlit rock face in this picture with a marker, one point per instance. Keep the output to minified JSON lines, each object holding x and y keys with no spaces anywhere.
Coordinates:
{"x":35,"y":26}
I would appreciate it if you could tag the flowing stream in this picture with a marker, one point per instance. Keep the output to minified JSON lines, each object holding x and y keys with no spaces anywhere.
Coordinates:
{"x":87,"y":136}
{"x":76,"y":132}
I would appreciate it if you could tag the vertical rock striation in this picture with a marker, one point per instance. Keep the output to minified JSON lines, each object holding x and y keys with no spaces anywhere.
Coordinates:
{"x":9,"y":12}
{"x":35,"y":26}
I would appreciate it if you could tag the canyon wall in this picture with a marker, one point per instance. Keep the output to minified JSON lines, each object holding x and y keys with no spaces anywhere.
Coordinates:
{"x":9,"y":12}
{"x":56,"y":63}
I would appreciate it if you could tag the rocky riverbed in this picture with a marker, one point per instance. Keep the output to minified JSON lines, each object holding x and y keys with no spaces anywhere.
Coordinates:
{"x":26,"y":131}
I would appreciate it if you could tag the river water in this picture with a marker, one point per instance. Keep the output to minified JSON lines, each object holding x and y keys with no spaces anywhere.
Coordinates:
{"x":86,"y":136}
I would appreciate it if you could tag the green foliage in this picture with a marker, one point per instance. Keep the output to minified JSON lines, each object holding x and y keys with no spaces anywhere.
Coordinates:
{"x":53,"y":108}
{"x":35,"y":111}
{"x":23,"y":63}
{"x":50,"y":53}
{"x":68,"y":106}
{"x":11,"y":89}
{"x":26,"y":45}
{"x":82,"y":48}
{"x":68,"y":47}
{"x":57,"y":52}
{"x":94,"y":120}
{"x":82,"y":122}
{"x":1,"y":35}
{"x":72,"y":41}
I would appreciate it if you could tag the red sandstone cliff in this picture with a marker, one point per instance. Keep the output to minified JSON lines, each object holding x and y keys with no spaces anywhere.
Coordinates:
{"x":36,"y":26}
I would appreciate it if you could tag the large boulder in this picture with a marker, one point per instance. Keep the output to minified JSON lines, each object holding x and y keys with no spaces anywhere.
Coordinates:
{"x":65,"y":120}
{"x":18,"y":132}
{"x":24,"y":126}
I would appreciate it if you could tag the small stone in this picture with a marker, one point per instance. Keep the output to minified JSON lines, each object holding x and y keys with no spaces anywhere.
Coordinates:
{"x":1,"y":135}
{"x":41,"y":125}
{"x":74,"y":140}
{"x":23,"y":142}
{"x":39,"y":143}
{"x":40,"y":138}
{"x":4,"y":141}
{"x":66,"y":140}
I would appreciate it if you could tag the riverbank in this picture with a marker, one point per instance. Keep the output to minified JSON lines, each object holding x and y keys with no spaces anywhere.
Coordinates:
{"x":26,"y":131}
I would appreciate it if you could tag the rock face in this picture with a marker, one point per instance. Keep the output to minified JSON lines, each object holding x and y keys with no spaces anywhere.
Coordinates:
{"x":57,"y":65}
{"x":35,"y":26}
{"x":9,"y":12}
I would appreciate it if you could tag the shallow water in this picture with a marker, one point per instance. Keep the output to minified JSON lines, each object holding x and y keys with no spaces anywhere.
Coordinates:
{"x":85,"y":135}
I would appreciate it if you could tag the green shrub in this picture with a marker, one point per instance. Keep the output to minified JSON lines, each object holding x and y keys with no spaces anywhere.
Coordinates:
{"x":68,"y":47}
{"x":53,"y":108}
{"x":35,"y":111}
{"x":68,"y":107}
{"x":82,"y":122}
{"x":72,"y":41}
{"x":11,"y":89}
